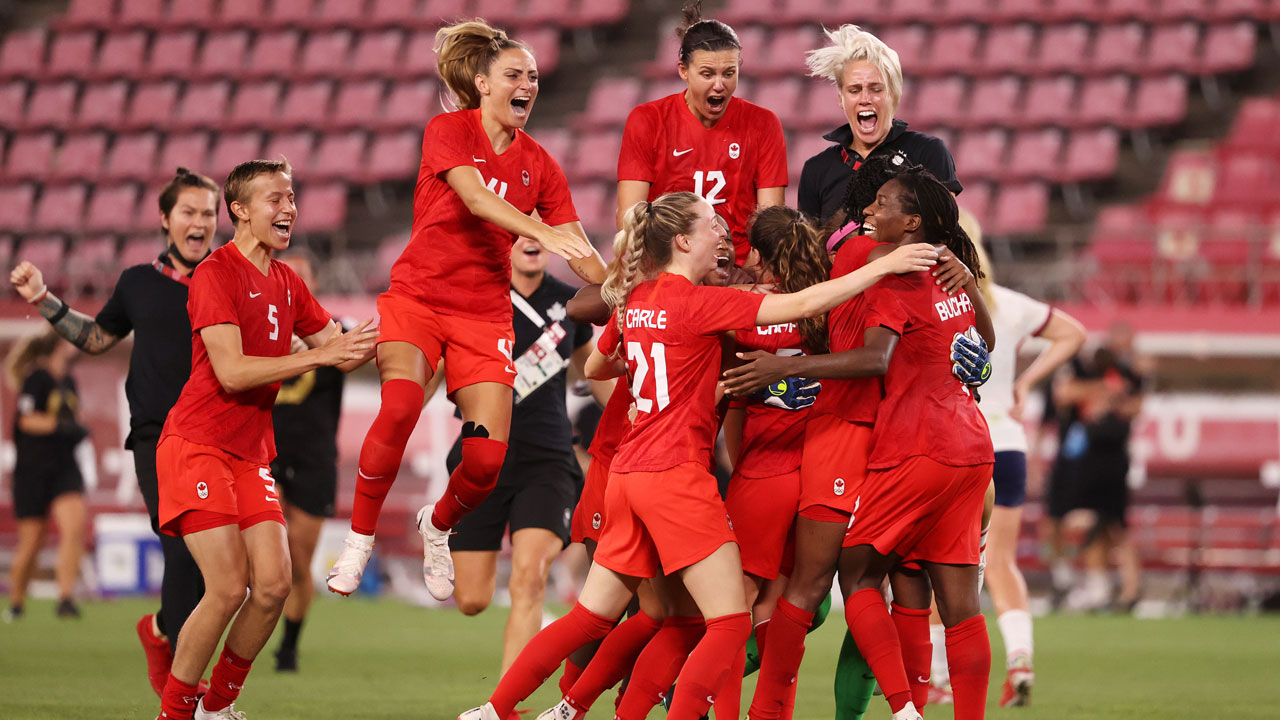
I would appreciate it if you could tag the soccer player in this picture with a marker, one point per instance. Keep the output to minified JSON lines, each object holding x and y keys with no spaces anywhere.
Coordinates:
{"x":305,"y":420}
{"x":480,"y":178}
{"x":664,"y":509}
{"x":704,"y":140}
{"x":149,"y":301}
{"x":216,"y":490}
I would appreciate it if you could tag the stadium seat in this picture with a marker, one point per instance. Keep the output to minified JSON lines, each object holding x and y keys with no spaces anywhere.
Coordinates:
{"x":911,"y":44}
{"x":500,"y":13}
{"x":30,"y":156}
{"x":190,"y":14}
{"x":1228,"y":48}
{"x":439,"y":11}
{"x":597,"y":156}
{"x":1189,"y":178}
{"x":337,"y":156}
{"x":143,"y":250}
{"x":1073,"y":10}
{"x":231,"y":149}
{"x":377,"y":54}
{"x":13,"y":101}
{"x":189,"y":150}
{"x":152,"y":106}
{"x":976,"y":198}
{"x":295,"y":146}
{"x":241,"y":13}
{"x":255,"y":105}
{"x":591,"y":13}
{"x":1049,"y":101}
{"x":305,"y":104}
{"x":786,"y":98}
{"x":992,"y":101}
{"x":1246,"y":180}
{"x":1255,"y":125}
{"x":1091,"y":155}
{"x":611,"y":100}
{"x":1103,"y":101}
{"x":274,"y":54}
{"x":1198,"y":10}
{"x":23,"y":53}
{"x":1035,"y":155}
{"x":1019,"y":11}
{"x":664,"y":61}
{"x":901,"y":12}
{"x":132,"y":157}
{"x":1118,"y":48}
{"x":746,"y":12}
{"x":980,"y":155}
{"x":396,"y":157}
{"x":347,"y":14}
{"x":93,"y":264}
{"x":1243,"y":10}
{"x":358,"y":104}
{"x":1062,"y":48}
{"x":122,"y":56}
{"x":545,"y":43}
{"x":596,"y":206}
{"x":145,"y":14}
{"x":111,"y":208}
{"x":94,"y":14}
{"x":950,"y":11}
{"x":1227,"y":253}
{"x":60,"y":207}
{"x":410,"y":105}
{"x":45,"y":252}
{"x":203,"y":105}
{"x":1007,"y":49}
{"x":172,"y":55}
{"x":1119,"y":10}
{"x":1172,"y":48}
{"x":787,"y":49}
{"x":51,"y":105}
{"x":419,"y":55}
{"x":16,"y":203}
{"x":545,"y":12}
{"x":322,"y":208}
{"x":1159,"y":101}
{"x":223,"y":55}
{"x":822,"y":111}
{"x":936,"y":101}
{"x":102,"y":106}
{"x":326,"y":54}
{"x":71,"y":54}
{"x":799,"y":151}
{"x":819,"y":12}
{"x":952,"y":49}
{"x":80,"y":156}
{"x":1020,"y":209}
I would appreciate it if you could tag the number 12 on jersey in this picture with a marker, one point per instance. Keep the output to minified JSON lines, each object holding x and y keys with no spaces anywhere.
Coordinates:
{"x":702,"y":178}
{"x":635,"y":354}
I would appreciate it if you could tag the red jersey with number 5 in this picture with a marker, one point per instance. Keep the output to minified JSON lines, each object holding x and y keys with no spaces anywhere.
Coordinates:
{"x":269,"y":310}
{"x":665,"y":145}
{"x":457,"y":263}
{"x":672,"y":345}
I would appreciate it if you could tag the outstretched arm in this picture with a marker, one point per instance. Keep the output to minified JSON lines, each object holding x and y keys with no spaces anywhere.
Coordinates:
{"x":237,"y":372}
{"x":817,"y":299}
{"x":486,"y":205}
{"x":762,"y":368}
{"x":78,"y":329}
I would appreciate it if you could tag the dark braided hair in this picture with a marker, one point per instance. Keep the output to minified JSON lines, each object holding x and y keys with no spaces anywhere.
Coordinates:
{"x":923,"y":195}
{"x":793,"y":251}
{"x":861,"y":189}
{"x":698,"y":34}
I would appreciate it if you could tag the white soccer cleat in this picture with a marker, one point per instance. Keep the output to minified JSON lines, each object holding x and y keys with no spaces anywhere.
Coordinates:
{"x":908,"y":712}
{"x":562,"y":711}
{"x":484,"y":712}
{"x":437,"y":563}
{"x":344,"y":576}
{"x":227,"y":713}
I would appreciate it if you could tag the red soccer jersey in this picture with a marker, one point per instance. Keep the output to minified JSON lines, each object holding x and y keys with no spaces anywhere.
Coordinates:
{"x":852,"y":400}
{"x":925,"y":410}
{"x":457,"y":263}
{"x":614,"y":423}
{"x":227,"y":289}
{"x":772,"y":438}
{"x":673,"y":362}
{"x":665,"y":145}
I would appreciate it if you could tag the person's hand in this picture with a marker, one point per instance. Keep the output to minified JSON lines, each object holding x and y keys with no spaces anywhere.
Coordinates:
{"x":359,"y":343}
{"x":971,"y":363}
{"x":910,"y":258}
{"x":793,"y":393}
{"x":951,"y":274}
{"x":567,"y":245}
{"x":27,"y":280}
{"x":760,"y":369}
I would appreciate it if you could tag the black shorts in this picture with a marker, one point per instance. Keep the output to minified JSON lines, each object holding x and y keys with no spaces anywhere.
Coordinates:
{"x":1010,"y":477}
{"x":144,"y":466}
{"x":34,"y":493}
{"x":536,"y":489}
{"x":309,"y":484}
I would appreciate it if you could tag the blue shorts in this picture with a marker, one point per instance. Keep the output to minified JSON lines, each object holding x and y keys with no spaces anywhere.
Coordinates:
{"x":1010,"y":476}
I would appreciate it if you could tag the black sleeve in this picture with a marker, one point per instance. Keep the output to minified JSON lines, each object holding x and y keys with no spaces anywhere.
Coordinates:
{"x":114,"y":317}
{"x":936,"y":158}
{"x":35,"y":393}
{"x":582,"y":334}
{"x":808,"y":196}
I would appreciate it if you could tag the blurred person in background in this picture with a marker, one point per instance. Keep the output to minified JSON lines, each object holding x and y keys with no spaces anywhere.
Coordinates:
{"x":46,"y":478}
{"x":150,"y":301}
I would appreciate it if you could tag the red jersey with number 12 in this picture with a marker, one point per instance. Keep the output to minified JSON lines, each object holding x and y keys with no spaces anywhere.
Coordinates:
{"x":268,"y":309}
{"x":672,"y":346}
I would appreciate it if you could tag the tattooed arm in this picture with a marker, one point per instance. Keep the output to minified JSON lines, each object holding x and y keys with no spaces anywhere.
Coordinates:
{"x":79,"y":329}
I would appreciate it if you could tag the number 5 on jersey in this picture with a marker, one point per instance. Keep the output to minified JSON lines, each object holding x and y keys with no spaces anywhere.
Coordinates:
{"x":635,"y":354}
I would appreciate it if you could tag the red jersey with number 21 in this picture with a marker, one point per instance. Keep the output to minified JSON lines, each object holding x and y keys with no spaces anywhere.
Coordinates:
{"x":269,"y":309}
{"x":672,"y":345}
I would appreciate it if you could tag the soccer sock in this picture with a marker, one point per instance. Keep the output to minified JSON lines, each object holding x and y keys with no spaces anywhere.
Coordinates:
{"x":969,"y":654}
{"x":877,"y":638}
{"x":780,"y":664}
{"x":226,"y":680}
{"x":617,"y":655}
{"x":939,"y":673}
{"x":659,"y":664}
{"x":854,"y":681}
{"x":472,"y":481}
{"x":544,"y":654}
{"x":570,"y":676}
{"x":382,"y":451}
{"x":709,"y":665}
{"x":729,"y":698}
{"x":292,"y":628}
{"x":178,"y":702}
{"x":1015,"y":627}
{"x":913,"y":634}
{"x":755,"y":647}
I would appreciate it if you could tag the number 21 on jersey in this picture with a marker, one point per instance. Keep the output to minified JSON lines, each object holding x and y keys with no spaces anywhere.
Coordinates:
{"x":714,"y":178}
{"x":658,"y":353}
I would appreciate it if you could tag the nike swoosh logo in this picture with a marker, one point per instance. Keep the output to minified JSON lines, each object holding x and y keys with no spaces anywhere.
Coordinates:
{"x":476,"y":159}
{"x":678,"y":153}
{"x":367,"y":477}
{"x":922,"y":679}
{"x":254,"y":294}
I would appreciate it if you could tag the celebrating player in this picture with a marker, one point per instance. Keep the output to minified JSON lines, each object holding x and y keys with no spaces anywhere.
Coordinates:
{"x":480,"y":177}
{"x":149,"y":301}
{"x":216,"y":491}
{"x":664,"y":510}
{"x":725,"y":149}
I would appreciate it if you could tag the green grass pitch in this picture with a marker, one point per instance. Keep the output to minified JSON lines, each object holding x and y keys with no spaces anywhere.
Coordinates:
{"x":381,"y":659}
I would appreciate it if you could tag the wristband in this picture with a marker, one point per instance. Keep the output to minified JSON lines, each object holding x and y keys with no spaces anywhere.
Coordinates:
{"x":62,"y":312}
{"x":44,"y":292}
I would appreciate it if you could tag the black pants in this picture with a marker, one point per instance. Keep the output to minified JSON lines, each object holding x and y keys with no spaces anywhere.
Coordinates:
{"x":183,"y":585}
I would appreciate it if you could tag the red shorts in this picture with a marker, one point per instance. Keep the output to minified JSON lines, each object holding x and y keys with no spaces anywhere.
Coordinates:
{"x":763,"y":511}
{"x":588,"y":516}
{"x":922,"y":510}
{"x":478,"y":351}
{"x":202,"y":487}
{"x":668,"y":520}
{"x":833,"y":467}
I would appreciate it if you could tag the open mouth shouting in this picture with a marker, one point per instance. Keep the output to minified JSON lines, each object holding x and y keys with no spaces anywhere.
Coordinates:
{"x":867,"y":121}
{"x":194,"y":242}
{"x":723,"y":265}
{"x":283,"y":228}
{"x":520,"y":106}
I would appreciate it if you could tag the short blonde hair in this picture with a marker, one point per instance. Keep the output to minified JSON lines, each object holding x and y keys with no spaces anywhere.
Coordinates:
{"x":236,"y":189}
{"x":850,"y":43}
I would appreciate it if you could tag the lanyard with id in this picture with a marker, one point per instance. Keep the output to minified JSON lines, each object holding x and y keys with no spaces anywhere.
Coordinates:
{"x":542,"y":361}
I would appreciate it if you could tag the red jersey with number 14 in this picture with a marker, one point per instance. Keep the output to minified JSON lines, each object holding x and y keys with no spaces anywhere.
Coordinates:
{"x":672,"y":345}
{"x":268,"y":309}
{"x":665,"y":145}
{"x":457,"y":263}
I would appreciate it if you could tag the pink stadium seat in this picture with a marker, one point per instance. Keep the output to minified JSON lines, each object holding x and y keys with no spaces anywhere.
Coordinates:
{"x":611,"y":100}
{"x":440,"y":11}
{"x":804,"y":147}
{"x":71,"y":54}
{"x":191,"y":14}
{"x":326,"y":54}
{"x":952,"y":49}
{"x":255,"y":105}
{"x":410,"y":105}
{"x":88,"y":14}
{"x":1243,"y":9}
{"x":949,"y":11}
{"x":822,"y":108}
{"x":1118,"y":48}
{"x":1049,"y":101}
{"x":1160,"y":101}
{"x":1228,"y":48}
{"x":543,"y":12}
{"x":305,"y":104}
{"x":92,"y":262}
{"x":189,"y":150}
{"x":231,"y":149}
{"x":1020,"y":209}
{"x":223,"y":54}
{"x":1063,"y":48}
{"x":980,"y":155}
{"x":907,"y":11}
{"x":339,"y":156}
{"x":293,"y":13}
{"x":545,"y":43}
{"x":30,"y":156}
{"x":389,"y":250}
{"x":558,"y":142}
{"x":1246,"y":180}
{"x":294,"y":146}
{"x":938,"y":101}
{"x":785,"y":97}
{"x":976,"y":198}
{"x":141,"y":14}
{"x":121,"y":55}
{"x":1019,"y":10}
{"x":1198,"y":10}
{"x":377,"y":53}
{"x":744,"y":12}
{"x":242,"y":13}
{"x":1087,"y":10}
{"x":396,"y":156}
{"x":172,"y":55}
{"x":1091,"y":155}
{"x":1103,"y":101}
{"x":658,"y":89}
{"x":1255,"y":126}
{"x":596,"y":206}
{"x":1120,"y":222}
{"x":358,"y":104}
{"x":1172,"y":48}
{"x":141,"y":250}
{"x":16,"y":202}
{"x":819,"y":12}
{"x":80,"y":157}
{"x":420,"y":55}
{"x":274,"y":54}
{"x":1226,"y":250}
{"x":132,"y":157}
{"x":911,"y":44}
{"x":597,"y":157}
{"x":51,"y":105}
{"x":992,"y":101}
{"x":664,"y":60}
{"x":60,"y":207}
{"x":152,"y":105}
{"x":322,"y":208}
{"x":45,"y":251}
{"x":111,"y":208}
{"x":1189,"y":177}
{"x":23,"y":53}
{"x":13,"y":100}
{"x":203,"y":105}
{"x":1035,"y":155}
{"x":339,"y":14}
{"x":786,"y":52}
{"x":1117,"y":10}
{"x":1007,"y":49}
{"x":591,"y":13}
{"x":102,"y":106}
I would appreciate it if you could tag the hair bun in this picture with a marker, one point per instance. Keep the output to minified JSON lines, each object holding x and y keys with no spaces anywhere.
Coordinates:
{"x":183,"y":171}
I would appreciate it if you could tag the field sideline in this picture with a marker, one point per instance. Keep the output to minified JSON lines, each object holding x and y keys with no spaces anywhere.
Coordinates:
{"x":382,"y":659}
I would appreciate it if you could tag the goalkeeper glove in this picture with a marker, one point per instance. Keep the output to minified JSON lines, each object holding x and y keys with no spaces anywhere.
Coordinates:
{"x":971,"y":363}
{"x":791,"y":393}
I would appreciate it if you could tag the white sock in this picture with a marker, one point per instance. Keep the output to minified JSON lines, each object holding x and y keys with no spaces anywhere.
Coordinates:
{"x":366,"y":540}
{"x":939,"y":673}
{"x":1015,"y":627}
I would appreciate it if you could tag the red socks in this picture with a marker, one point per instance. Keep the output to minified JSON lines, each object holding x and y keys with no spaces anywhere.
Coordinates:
{"x":709,"y":665}
{"x":226,"y":680}
{"x":658,"y":665}
{"x":617,"y":655}
{"x":877,"y":638}
{"x":569,"y":676}
{"x":544,"y":653}
{"x":177,"y":701}
{"x":382,"y":450}
{"x":917,"y":650}
{"x":471,"y":482}
{"x":778,"y":666}
{"x":969,"y":659}
{"x":728,"y":702}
